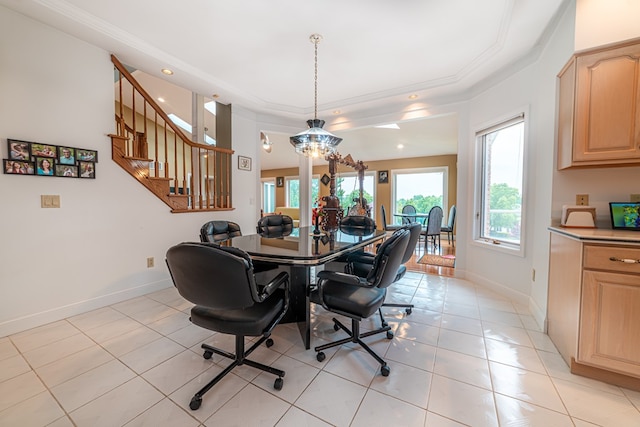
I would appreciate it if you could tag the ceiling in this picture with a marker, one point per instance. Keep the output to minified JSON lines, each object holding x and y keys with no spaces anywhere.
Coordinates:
{"x":374,"y":54}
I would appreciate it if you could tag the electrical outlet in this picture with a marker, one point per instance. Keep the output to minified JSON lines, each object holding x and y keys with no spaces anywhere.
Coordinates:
{"x":150,"y":262}
{"x":635,"y":198}
{"x":582,"y":199}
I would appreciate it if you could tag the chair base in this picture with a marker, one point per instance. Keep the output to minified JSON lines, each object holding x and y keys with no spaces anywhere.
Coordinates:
{"x":355,"y":336}
{"x":238,"y":359}
{"x":408,"y":309}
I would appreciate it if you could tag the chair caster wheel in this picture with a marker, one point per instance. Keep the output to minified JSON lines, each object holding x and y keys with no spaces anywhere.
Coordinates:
{"x":207,"y":355}
{"x":269,"y":342}
{"x":389,"y":335}
{"x":320,"y":356}
{"x":278,"y":384}
{"x":385,"y":371}
{"x":335,"y":327}
{"x":195,"y":403}
{"x":409,"y":311}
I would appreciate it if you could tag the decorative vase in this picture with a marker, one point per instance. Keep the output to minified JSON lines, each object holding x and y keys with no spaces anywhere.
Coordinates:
{"x":316,"y":230}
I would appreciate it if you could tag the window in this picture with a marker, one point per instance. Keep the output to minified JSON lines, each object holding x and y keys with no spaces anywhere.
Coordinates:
{"x":293,"y":191}
{"x":499,"y":201}
{"x":269,"y":195}
{"x":422,"y":188}
{"x":348,"y":188}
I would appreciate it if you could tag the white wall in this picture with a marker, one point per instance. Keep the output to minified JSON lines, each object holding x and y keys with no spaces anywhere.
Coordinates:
{"x":532,"y":90}
{"x":600,"y":22}
{"x":92,"y":251}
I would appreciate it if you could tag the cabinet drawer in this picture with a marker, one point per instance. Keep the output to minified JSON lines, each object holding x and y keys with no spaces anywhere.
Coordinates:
{"x":599,"y":258}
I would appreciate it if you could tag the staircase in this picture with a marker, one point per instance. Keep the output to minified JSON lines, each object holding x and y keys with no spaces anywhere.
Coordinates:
{"x":186,"y":175}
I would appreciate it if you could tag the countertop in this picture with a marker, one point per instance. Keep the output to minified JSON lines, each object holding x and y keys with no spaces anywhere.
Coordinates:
{"x":598,"y":234}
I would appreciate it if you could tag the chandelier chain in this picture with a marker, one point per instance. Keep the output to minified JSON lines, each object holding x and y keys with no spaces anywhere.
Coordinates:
{"x":315,"y":79}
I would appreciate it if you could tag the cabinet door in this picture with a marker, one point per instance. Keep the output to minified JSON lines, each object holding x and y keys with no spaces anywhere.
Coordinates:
{"x":607,"y":125}
{"x":610,"y":325}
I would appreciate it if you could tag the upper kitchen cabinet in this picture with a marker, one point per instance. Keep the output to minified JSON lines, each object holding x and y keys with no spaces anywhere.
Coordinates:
{"x":599,"y":107}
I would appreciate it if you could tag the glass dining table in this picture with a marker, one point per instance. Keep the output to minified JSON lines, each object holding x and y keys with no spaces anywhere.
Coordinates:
{"x":297,"y":253}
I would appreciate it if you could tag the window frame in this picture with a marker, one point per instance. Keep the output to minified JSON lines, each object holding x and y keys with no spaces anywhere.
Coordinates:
{"x":287,"y":182}
{"x":429,"y":169}
{"x":505,"y":246}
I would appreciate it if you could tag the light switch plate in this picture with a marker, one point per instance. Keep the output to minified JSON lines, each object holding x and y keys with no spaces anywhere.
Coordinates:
{"x":49,"y":201}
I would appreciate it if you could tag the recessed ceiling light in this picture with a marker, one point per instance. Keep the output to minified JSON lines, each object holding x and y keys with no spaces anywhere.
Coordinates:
{"x":389,"y":126}
{"x":160,"y":99}
{"x":337,"y":112}
{"x":215,"y":96}
{"x":414,"y":96}
{"x":167,"y":71}
{"x":400,"y":146}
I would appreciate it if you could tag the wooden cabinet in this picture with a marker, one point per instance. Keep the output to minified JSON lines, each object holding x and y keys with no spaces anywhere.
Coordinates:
{"x":610,"y":309}
{"x":599,"y":108}
{"x":593,"y":308}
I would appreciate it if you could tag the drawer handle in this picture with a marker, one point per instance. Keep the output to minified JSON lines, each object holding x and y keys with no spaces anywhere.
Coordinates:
{"x":625,"y":260}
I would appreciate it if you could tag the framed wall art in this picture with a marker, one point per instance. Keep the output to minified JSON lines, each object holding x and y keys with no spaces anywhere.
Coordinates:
{"x":35,"y":158}
{"x":244,"y":163}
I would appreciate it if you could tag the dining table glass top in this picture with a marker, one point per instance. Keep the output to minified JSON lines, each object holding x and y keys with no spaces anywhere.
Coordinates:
{"x":302,"y":246}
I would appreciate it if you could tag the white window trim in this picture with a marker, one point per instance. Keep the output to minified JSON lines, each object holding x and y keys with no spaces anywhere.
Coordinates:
{"x":518,"y":250}
{"x":434,"y":169}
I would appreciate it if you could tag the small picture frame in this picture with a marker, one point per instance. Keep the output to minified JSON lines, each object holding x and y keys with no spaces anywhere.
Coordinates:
{"x":244,"y":163}
{"x":325,"y":179}
{"x":19,"y":150}
{"x":87,"y":170}
{"x":280,"y":181}
{"x":67,"y":171}
{"x":18,"y":167}
{"x":45,"y":166}
{"x":67,"y":156}
{"x":87,"y":155}
{"x":44,"y":150}
{"x":383,"y":177}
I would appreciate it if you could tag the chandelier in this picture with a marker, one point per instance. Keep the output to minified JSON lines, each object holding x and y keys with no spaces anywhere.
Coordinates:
{"x":315,"y":141}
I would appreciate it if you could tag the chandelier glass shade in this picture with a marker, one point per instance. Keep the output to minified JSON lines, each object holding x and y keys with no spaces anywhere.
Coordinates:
{"x":315,"y":141}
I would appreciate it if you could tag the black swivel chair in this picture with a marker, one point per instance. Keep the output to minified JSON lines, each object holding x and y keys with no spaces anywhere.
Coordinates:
{"x":361,"y":263}
{"x":358,"y":298}
{"x":450,"y":224}
{"x":275,"y":225}
{"x":220,"y":282}
{"x":387,"y":226}
{"x":217,"y":231}
{"x":433,"y":228}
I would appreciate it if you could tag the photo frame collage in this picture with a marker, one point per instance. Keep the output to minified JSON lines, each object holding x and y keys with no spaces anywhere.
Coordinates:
{"x":34,"y":158}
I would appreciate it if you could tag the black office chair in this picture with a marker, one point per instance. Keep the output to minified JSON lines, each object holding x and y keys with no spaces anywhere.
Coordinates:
{"x":409,"y":210}
{"x":220,"y":282}
{"x":432,"y":230}
{"x":450,"y":224}
{"x":275,"y":225}
{"x":387,"y":226}
{"x":217,"y":231}
{"x":358,"y":298}
{"x":361,"y":263}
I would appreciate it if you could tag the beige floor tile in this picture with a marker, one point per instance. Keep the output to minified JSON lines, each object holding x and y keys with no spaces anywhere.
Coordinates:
{"x":266,"y":409}
{"x":118,"y":406}
{"x":381,"y":409}
{"x":39,"y":410}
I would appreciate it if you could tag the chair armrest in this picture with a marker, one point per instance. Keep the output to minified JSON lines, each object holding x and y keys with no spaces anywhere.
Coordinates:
{"x":337,"y":276}
{"x":361,"y":257}
{"x":275,"y":283}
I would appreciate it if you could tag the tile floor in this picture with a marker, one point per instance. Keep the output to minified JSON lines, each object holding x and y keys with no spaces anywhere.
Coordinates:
{"x":465,"y":356}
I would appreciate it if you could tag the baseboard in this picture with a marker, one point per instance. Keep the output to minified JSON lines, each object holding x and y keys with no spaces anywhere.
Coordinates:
{"x":20,"y":324}
{"x":499,"y":288}
{"x":539,"y":315}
